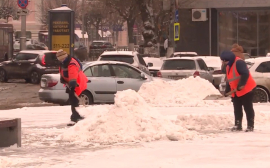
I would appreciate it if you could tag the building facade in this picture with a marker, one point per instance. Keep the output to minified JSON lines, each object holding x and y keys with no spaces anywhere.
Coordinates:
{"x":246,"y":22}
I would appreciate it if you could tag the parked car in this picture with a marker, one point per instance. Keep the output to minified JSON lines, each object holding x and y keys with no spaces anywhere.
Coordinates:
{"x":105,"y":78}
{"x":131,"y":57}
{"x":184,"y":67}
{"x":260,"y":71}
{"x":154,"y":64}
{"x":80,"y":51}
{"x":29,"y":65}
{"x":184,"y":54}
{"x":30,"y":45}
{"x":98,"y":47}
{"x":214,"y":64}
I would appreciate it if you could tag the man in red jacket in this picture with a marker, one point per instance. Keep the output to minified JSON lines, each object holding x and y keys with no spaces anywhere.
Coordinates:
{"x":75,"y":80}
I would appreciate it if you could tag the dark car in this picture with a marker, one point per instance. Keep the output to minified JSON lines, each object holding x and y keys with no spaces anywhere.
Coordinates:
{"x":98,"y":47}
{"x":80,"y":51}
{"x":30,"y":45}
{"x":29,"y":65}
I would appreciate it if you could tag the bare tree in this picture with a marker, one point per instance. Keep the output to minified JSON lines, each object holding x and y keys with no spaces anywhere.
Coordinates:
{"x":128,"y":10}
{"x":8,"y":8}
{"x":51,"y":4}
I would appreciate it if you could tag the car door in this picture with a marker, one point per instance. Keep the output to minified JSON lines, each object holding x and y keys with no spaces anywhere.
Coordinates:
{"x":204,"y":73}
{"x":26,"y":63}
{"x":262,"y":71}
{"x":101,"y":83}
{"x":127,"y":77}
{"x":13,"y":68}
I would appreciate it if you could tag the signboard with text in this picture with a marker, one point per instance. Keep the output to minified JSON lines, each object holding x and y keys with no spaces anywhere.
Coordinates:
{"x":61,"y":30}
{"x":176,"y":31}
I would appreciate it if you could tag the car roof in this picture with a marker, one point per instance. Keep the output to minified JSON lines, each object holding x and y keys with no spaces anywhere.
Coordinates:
{"x":36,"y":51}
{"x":126,"y":53}
{"x":184,"y":58}
{"x":258,"y":59}
{"x":105,"y":62}
{"x":183,"y":53}
{"x":100,"y":41}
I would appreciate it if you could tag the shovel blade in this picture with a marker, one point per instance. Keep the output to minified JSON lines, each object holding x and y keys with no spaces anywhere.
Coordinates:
{"x":213,"y":97}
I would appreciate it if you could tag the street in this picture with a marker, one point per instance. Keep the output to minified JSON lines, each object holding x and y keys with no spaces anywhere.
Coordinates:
{"x":18,"y":94}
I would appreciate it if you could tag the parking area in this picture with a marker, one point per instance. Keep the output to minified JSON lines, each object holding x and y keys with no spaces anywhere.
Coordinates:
{"x":18,"y":93}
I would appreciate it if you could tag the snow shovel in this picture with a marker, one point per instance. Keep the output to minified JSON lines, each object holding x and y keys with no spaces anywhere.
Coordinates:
{"x":218,"y":97}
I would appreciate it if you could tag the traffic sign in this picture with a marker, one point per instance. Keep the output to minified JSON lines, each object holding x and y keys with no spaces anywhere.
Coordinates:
{"x":23,"y":12}
{"x":22,"y":3}
{"x":176,"y":15}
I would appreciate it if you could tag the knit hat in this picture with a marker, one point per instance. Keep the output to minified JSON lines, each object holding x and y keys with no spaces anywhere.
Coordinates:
{"x":238,"y":51}
{"x":61,"y":55}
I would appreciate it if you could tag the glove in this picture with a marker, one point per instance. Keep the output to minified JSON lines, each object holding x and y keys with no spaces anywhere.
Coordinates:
{"x":62,"y":80}
{"x":72,"y":84}
{"x":239,"y":88}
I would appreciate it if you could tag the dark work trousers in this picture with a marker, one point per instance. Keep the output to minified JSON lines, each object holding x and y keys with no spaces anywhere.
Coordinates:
{"x":246,"y":102}
{"x":74,"y":102}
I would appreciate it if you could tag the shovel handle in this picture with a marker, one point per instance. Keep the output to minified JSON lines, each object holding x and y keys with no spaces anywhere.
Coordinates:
{"x":233,"y":91}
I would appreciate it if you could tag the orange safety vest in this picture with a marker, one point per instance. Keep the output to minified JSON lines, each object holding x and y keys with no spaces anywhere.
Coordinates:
{"x":77,"y":75}
{"x":233,"y":78}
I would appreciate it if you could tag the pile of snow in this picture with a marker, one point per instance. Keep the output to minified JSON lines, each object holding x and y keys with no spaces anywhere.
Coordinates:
{"x":131,"y":119}
{"x":188,"y":92}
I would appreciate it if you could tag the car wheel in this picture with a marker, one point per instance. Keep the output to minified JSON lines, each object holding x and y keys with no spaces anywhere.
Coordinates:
{"x":260,"y":95}
{"x":3,"y":76}
{"x":86,"y":98}
{"x":35,"y":77}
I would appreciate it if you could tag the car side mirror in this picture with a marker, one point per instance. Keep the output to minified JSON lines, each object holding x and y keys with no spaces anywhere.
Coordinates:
{"x":143,"y":76}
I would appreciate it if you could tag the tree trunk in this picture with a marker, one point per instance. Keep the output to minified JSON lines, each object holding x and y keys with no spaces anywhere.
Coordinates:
{"x":130,"y":24}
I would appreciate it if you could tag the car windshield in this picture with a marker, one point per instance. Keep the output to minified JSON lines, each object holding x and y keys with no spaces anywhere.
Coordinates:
{"x":120,"y":58}
{"x":181,"y":64}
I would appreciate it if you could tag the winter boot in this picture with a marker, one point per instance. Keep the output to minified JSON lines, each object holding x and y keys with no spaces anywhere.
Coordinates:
{"x":249,"y":129}
{"x":237,"y":127}
{"x":75,"y":117}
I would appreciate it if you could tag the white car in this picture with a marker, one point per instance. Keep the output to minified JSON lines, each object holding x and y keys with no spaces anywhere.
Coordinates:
{"x":105,"y":78}
{"x":184,"y":54}
{"x":131,"y":57}
{"x":184,"y":67}
{"x":154,"y":64}
{"x":260,"y":70}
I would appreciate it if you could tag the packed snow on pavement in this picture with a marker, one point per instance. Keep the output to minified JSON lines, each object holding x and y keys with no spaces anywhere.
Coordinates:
{"x":164,"y":125}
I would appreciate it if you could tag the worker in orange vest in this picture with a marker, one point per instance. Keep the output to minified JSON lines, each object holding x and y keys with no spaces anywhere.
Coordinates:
{"x":75,"y":80}
{"x":240,"y":81}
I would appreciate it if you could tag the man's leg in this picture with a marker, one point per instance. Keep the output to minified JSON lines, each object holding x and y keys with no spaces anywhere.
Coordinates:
{"x":74,"y":103}
{"x":248,"y":107}
{"x":238,"y":114}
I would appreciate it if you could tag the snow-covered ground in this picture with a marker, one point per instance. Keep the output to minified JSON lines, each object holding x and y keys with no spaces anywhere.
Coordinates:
{"x":141,"y":130}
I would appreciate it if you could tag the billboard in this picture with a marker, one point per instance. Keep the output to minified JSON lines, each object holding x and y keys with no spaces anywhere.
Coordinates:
{"x":61,"y":30}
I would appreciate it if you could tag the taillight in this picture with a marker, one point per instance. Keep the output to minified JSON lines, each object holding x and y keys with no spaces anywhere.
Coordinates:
{"x":159,"y":74}
{"x":218,"y":72}
{"x":52,"y":83}
{"x":196,"y":73}
{"x":43,"y":60}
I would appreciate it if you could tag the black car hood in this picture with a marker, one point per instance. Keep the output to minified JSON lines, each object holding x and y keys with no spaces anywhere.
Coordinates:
{"x":5,"y":62}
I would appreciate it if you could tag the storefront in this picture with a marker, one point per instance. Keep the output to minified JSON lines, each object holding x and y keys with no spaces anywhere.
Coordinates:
{"x":246,"y":22}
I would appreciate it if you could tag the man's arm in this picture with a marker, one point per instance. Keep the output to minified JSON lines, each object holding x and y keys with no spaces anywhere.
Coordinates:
{"x":243,"y":71}
{"x":73,"y":72}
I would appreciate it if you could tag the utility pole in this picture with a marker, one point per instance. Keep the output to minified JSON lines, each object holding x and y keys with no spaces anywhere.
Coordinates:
{"x":171,"y":29}
{"x":23,"y":13}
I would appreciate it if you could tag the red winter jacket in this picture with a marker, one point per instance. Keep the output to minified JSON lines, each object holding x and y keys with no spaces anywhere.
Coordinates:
{"x":74,"y":73}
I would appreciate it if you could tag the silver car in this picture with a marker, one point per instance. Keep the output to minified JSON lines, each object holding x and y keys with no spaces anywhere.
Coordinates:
{"x":105,"y":78}
{"x":184,"y":67}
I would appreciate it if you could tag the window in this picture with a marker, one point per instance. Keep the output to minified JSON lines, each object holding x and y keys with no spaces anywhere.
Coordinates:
{"x":30,"y":56}
{"x":120,"y":58}
{"x":141,"y":60}
{"x":179,"y":64}
{"x":264,"y":67}
{"x":123,"y":71}
{"x":20,"y":57}
{"x":101,"y":71}
{"x":88,"y":72}
{"x":202,"y":65}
